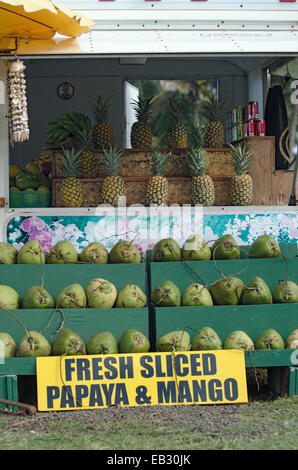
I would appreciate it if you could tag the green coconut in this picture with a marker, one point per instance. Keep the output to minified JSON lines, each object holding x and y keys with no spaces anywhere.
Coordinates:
{"x":131,"y":296}
{"x":37,"y":297}
{"x":102,"y":343}
{"x":8,"y":253}
{"x":101,"y":293}
{"x":174,"y":341}
{"x":269,"y":339}
{"x":9,"y":297}
{"x":166,"y":294}
{"x":196,"y":294}
{"x":125,"y":252}
{"x":264,"y":247}
{"x":292,"y":340}
{"x":33,"y":345}
{"x":227,"y":291}
{"x":9,"y":347}
{"x":195,"y":248}
{"x":68,"y":343}
{"x":206,"y":339}
{"x":31,"y":253}
{"x":225,"y":247}
{"x":133,"y":341}
{"x":63,"y":253}
{"x":256,"y":292}
{"x":94,"y":253}
{"x":166,"y":249}
{"x":72,"y":296}
{"x":286,"y":292}
{"x":238,"y":340}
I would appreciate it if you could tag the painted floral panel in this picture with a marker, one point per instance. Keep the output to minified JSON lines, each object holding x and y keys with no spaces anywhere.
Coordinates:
{"x":146,"y":230}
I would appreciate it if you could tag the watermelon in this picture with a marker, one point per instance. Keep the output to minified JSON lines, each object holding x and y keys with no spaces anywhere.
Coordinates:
{"x":25,"y":180}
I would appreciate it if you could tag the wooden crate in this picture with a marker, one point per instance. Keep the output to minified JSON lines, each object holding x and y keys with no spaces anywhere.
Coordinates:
{"x":270,"y":187}
{"x":138,"y":162}
{"x":56,"y":277}
{"x":179,"y":191}
{"x":86,"y":322}
{"x":253,"y":319}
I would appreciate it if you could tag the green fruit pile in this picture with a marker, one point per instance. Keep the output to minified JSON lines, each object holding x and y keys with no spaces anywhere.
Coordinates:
{"x":195,"y":248}
{"x":207,"y":339}
{"x":99,"y":293}
{"x":227,"y":291}
{"x":64,"y":252}
{"x":69,"y":343}
{"x":125,"y":252}
{"x":30,"y":178}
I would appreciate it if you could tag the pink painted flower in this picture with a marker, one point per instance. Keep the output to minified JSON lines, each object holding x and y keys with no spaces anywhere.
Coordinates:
{"x":32,"y":225}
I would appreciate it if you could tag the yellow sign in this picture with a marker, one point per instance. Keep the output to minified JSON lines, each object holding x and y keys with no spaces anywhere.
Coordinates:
{"x":81,"y":382}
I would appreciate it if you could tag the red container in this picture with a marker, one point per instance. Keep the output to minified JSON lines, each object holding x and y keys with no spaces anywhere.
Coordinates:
{"x":260,"y":128}
{"x":249,"y":128}
{"x":245,"y":129}
{"x":253,"y":110}
{"x":245,"y":113}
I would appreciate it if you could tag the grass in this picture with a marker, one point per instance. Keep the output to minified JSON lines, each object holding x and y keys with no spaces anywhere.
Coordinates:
{"x":258,"y":425}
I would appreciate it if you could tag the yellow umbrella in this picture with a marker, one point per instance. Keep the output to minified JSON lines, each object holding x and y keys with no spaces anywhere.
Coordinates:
{"x":40,"y":19}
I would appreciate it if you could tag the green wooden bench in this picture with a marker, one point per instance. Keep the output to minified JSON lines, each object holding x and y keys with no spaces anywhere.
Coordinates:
{"x":85,"y":322}
{"x":252,"y":319}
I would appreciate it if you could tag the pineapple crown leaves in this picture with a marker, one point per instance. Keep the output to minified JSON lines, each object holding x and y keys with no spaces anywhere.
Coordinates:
{"x":198,"y":161}
{"x":241,"y":156}
{"x":212,"y":108}
{"x":176,"y":110}
{"x":142,"y":108}
{"x":100,"y":107}
{"x":199,"y":134}
{"x":70,"y":159}
{"x":160,"y":161}
{"x":84,"y":139}
{"x":112,"y":160}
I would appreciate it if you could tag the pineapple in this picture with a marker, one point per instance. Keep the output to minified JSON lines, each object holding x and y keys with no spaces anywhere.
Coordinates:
{"x":157,"y":188}
{"x":241,"y":193}
{"x":113,"y":183}
{"x":141,"y":133}
{"x":71,"y":192}
{"x":177,"y":132}
{"x":215,"y":130}
{"x":102,"y":130}
{"x":87,"y":166}
{"x":203,"y":192}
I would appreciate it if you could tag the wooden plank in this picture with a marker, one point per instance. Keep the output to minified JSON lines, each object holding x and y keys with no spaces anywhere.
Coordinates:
{"x":56,"y":277}
{"x":18,"y":366}
{"x":266,"y":358}
{"x":261,"y":167}
{"x":282,"y":182}
{"x":8,"y":389}
{"x":85,"y":322}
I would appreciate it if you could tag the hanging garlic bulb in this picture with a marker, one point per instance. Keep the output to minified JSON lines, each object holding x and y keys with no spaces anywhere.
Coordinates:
{"x":17,"y":101}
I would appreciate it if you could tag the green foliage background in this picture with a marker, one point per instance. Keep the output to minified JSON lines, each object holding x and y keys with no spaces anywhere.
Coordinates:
{"x":189,"y":94}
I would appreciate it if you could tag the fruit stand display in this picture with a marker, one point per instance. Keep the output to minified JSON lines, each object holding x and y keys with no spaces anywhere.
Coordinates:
{"x":81,"y":165}
{"x":245,"y":302}
{"x":59,"y":304}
